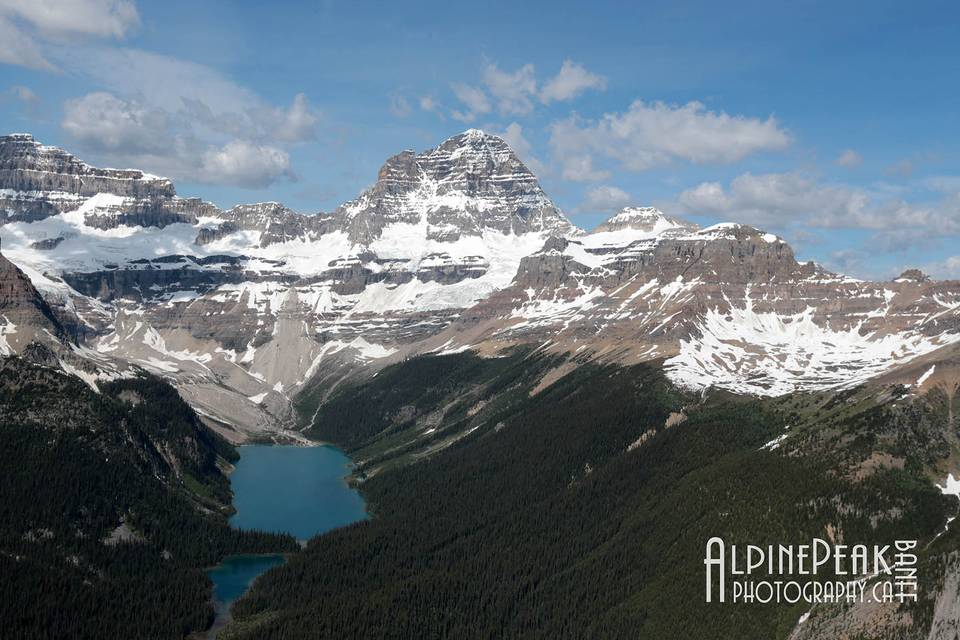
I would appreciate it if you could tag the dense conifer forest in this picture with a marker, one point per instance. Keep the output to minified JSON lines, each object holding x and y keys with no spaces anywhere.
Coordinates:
{"x":582,"y":511}
{"x":111,"y":505}
{"x":578,"y":508}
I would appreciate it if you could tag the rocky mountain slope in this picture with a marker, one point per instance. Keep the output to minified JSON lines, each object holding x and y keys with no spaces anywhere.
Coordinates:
{"x":727,"y":306}
{"x":22,"y":306}
{"x":242,"y":306}
{"x":454,"y":248}
{"x":582,"y":508}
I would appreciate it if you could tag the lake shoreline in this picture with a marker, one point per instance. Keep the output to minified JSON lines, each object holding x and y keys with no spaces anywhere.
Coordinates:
{"x":222,"y":614}
{"x":300,"y":490}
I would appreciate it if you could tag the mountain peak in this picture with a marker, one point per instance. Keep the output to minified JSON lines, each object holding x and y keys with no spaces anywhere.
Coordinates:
{"x":474,"y":133}
{"x":484,"y":145}
{"x":646,"y":219}
{"x":479,"y":135}
{"x":913,"y":275}
{"x":469,"y":183}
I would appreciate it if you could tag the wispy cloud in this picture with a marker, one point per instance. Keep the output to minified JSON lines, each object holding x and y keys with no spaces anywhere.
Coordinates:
{"x":946,"y":268}
{"x":514,"y":137}
{"x":428,"y":103}
{"x":515,"y":93}
{"x":779,"y":200}
{"x":849,"y":159}
{"x":649,"y":135}
{"x":605,"y":199}
{"x":512,"y":91}
{"x":399,"y":105}
{"x":183,"y":119}
{"x":27,"y":25}
{"x":474,"y":99}
{"x":25,"y":97}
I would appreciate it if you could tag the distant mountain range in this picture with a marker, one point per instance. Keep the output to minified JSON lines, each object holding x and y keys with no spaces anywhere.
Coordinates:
{"x":456,"y":248}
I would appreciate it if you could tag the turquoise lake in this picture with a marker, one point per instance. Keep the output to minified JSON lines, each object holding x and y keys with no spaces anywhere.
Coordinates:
{"x":298,"y":490}
{"x":287,"y":489}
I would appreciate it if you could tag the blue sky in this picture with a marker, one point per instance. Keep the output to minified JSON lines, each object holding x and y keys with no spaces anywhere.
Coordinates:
{"x":832,"y":124}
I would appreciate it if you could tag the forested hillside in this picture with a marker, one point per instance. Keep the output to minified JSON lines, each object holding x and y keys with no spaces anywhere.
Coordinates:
{"x":111,"y":505}
{"x":583,"y":510}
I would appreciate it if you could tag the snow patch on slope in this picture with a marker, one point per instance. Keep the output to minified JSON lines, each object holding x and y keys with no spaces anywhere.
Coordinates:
{"x":7,"y":328}
{"x":926,"y":375}
{"x":768,"y":354}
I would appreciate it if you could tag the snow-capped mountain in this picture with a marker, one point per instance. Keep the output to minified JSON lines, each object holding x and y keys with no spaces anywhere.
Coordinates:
{"x":471,"y":183}
{"x":454,"y":248}
{"x":254,"y":300}
{"x":727,"y":306}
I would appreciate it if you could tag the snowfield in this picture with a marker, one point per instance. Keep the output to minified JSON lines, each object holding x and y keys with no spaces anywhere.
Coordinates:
{"x":768,"y":354}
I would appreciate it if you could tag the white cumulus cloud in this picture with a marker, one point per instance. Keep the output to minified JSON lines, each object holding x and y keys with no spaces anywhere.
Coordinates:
{"x":244,"y":164}
{"x":127,"y":132}
{"x":102,"y":121}
{"x":572,"y":80}
{"x":296,"y":124}
{"x":784,"y":199}
{"x":649,"y":135}
{"x":181,"y":119}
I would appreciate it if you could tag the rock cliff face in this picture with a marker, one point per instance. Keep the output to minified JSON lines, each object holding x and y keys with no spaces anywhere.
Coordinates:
{"x":457,"y":247}
{"x":26,"y":165}
{"x":39,"y":181}
{"x":23,"y":311}
{"x":470,"y":183}
{"x":727,"y":306}
{"x":241,"y":306}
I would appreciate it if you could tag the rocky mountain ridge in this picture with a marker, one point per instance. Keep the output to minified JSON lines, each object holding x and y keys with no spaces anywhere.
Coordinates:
{"x":727,"y":306}
{"x":242,"y":306}
{"x":454,"y":248}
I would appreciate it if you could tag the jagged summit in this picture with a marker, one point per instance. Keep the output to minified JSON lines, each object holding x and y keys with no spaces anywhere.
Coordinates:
{"x":469,"y":183}
{"x":475,"y":136}
{"x":251,"y":301}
